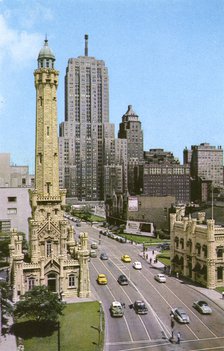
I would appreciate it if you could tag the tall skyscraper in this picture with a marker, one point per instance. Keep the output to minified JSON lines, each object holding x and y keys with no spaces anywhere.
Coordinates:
{"x":86,"y":138}
{"x":55,"y":259}
{"x":130,"y":130}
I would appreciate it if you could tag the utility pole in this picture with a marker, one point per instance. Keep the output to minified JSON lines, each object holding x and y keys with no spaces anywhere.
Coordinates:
{"x":59,"y":337}
{"x":0,"y":314}
{"x":101,"y":323}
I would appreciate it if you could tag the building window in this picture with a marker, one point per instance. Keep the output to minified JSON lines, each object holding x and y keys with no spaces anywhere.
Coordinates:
{"x":219,"y":273}
{"x":31,"y":283}
{"x":12,"y":199}
{"x":219,"y":251}
{"x":12,"y":211}
{"x":198,"y":248}
{"x":49,"y":246}
{"x":71,"y":280}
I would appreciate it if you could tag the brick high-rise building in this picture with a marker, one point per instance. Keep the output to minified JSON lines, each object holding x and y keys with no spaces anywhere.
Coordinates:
{"x":206,"y":162}
{"x":86,"y":141}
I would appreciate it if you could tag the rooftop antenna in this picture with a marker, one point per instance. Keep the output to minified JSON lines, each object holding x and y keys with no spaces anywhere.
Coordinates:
{"x":86,"y":44}
{"x":46,"y":40}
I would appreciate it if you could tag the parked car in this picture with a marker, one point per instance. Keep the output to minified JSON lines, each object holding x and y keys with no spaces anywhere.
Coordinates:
{"x":93,"y":253}
{"x":102,"y":279}
{"x":126,"y":258}
{"x":122,"y":280}
{"x":180,"y":315}
{"x":161,"y":278}
{"x":116,"y":309}
{"x":103,"y":256}
{"x":94,"y":246}
{"x":137,"y":265}
{"x":165,"y":246}
{"x":140,"y":307}
{"x":202,"y":307}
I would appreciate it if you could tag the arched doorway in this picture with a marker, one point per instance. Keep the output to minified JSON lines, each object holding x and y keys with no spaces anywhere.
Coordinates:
{"x":52,"y":282}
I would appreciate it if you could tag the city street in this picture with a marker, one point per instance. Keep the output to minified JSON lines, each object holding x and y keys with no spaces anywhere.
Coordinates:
{"x":153,"y":330}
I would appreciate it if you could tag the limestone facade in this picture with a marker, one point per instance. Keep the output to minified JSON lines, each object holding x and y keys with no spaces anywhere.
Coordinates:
{"x":55,"y":259}
{"x":197,"y":249}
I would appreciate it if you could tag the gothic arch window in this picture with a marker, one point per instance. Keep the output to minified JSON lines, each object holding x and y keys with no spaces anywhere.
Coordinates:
{"x":189,"y":244}
{"x":219,"y":251}
{"x":219,"y":273}
{"x":205,"y":250}
{"x":31,"y":283}
{"x":71,"y":280}
{"x":48,"y":248}
{"x":176,"y":242}
{"x":198,"y":248}
{"x":182,"y":243}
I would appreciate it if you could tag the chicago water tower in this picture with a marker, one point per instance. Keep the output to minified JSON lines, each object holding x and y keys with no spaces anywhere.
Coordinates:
{"x":55,"y":258}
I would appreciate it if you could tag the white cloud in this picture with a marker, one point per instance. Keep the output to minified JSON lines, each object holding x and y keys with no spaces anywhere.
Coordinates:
{"x":16,"y":46}
{"x":35,"y":14}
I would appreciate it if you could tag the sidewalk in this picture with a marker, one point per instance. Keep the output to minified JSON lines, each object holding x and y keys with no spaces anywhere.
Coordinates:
{"x":8,"y":342}
{"x":213,"y":295}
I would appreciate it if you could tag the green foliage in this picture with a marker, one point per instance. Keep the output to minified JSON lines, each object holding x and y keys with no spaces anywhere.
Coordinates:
{"x":6,"y":305}
{"x":164,"y":257}
{"x":39,"y":304}
{"x":4,"y":248}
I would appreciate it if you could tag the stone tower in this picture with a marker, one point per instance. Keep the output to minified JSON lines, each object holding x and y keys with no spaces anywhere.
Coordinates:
{"x":56,"y":259}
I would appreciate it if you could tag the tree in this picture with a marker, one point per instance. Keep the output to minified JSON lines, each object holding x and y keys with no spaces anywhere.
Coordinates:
{"x":5,"y":306}
{"x":39,"y":304}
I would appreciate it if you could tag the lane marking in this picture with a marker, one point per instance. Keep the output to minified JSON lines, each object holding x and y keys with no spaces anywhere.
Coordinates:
{"x":130,"y":335}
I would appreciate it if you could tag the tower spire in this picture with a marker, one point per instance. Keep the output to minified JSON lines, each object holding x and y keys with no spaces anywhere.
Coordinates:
{"x":86,"y":44}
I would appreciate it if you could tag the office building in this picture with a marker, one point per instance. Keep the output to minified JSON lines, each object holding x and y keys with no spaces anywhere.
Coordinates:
{"x":86,"y":138}
{"x":164,"y":176}
{"x":12,"y":175}
{"x":130,"y":130}
{"x":206,"y":162}
{"x":14,"y":209}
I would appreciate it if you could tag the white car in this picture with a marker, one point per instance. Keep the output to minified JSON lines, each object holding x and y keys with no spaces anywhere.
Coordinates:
{"x":137,"y":265}
{"x":160,"y":278}
{"x":180,"y":315}
{"x":202,"y":307}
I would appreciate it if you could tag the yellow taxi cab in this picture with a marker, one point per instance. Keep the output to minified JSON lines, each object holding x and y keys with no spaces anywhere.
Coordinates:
{"x":102,"y":279}
{"x":126,"y":258}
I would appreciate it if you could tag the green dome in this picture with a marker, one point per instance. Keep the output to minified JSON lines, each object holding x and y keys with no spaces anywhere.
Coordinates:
{"x":46,"y":52}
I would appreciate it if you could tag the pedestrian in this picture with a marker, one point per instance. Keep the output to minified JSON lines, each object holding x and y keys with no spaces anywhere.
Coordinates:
{"x":223,"y":294}
{"x":153,"y":252}
{"x":177,"y":275}
{"x":178,"y":338}
{"x":150,"y":260}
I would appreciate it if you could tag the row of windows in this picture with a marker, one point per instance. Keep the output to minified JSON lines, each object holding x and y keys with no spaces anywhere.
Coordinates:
{"x":72,"y":281}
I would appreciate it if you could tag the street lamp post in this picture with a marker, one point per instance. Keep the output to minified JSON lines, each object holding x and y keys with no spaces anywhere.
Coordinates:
{"x":0,"y":314}
{"x":59,"y":337}
{"x":101,"y":323}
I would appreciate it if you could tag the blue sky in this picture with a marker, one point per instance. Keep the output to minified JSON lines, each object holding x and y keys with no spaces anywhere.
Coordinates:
{"x":165,"y":57}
